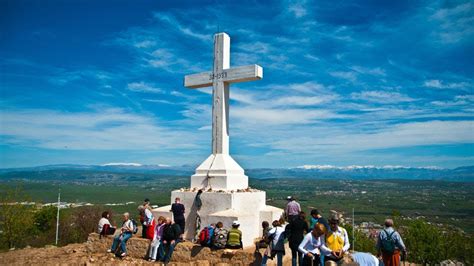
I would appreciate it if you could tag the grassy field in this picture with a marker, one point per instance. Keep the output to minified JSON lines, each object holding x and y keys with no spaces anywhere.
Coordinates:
{"x":440,"y":202}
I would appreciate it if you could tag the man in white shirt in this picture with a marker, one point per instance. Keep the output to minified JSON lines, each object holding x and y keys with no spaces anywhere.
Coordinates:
{"x":125,"y":233}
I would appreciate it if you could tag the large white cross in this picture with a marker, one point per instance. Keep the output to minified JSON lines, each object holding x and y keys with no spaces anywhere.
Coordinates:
{"x":220,"y":78}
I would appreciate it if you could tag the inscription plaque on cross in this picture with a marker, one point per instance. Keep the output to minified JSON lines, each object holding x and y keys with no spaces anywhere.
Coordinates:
{"x":219,"y":166}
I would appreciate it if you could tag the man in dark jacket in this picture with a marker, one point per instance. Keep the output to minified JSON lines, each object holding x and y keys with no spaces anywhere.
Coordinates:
{"x":295,"y":231}
{"x":169,"y":239}
{"x":178,"y":214}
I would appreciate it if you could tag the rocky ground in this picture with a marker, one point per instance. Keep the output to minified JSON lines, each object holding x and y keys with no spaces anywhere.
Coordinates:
{"x":93,"y":252}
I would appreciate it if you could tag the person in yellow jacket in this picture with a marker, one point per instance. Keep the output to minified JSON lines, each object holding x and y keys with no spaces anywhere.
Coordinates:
{"x":337,"y":240}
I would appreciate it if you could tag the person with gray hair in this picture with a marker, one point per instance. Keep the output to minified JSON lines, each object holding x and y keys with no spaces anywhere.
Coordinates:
{"x":390,"y":244}
{"x":122,"y":238}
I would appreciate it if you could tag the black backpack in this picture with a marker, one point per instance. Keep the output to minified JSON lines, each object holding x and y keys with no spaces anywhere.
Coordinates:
{"x":388,"y":243}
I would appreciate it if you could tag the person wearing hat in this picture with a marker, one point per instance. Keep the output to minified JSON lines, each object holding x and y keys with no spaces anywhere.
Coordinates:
{"x":390,"y":245}
{"x":234,"y":237}
{"x":292,"y":210}
{"x":337,"y":240}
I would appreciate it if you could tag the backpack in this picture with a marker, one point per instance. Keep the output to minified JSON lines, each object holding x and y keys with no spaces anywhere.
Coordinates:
{"x":220,"y":239}
{"x":211,"y":235}
{"x":388,"y":243}
{"x":205,"y":236}
{"x":135,"y":227}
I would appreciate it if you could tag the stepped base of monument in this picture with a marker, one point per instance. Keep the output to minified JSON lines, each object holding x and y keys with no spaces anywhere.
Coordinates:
{"x":219,"y":172}
{"x":247,"y":207}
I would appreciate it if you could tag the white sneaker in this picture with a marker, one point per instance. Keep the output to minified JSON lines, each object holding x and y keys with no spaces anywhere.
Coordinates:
{"x":109,"y":250}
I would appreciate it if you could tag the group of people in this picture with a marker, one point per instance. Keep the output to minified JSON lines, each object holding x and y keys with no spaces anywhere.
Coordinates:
{"x":314,"y":242}
{"x":163,"y":233}
{"x":216,"y":236}
{"x":323,"y":242}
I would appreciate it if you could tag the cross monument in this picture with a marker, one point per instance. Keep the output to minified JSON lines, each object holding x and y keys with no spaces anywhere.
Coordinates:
{"x":225,"y":196}
{"x":219,"y":171}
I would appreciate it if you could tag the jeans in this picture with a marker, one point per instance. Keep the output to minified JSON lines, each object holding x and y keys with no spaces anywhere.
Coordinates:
{"x":279,"y":256}
{"x":296,"y":256}
{"x":166,"y":251}
{"x":125,"y":237}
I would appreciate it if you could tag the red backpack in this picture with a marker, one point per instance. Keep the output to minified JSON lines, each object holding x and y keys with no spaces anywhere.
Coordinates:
{"x":205,"y":236}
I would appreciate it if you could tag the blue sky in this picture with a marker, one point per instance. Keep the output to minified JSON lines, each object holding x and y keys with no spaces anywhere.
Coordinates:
{"x":345,"y":82}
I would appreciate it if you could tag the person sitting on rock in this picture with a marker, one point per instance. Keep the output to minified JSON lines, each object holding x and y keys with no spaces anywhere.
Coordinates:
{"x":206,"y":235}
{"x":155,"y":243}
{"x":337,"y":240}
{"x":104,"y":227}
{"x":263,"y":241}
{"x":219,"y":239}
{"x":171,"y":233}
{"x":234,"y":237}
{"x":122,"y":238}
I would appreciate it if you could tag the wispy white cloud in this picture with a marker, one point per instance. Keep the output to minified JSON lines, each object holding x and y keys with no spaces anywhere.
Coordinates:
{"x":347,"y":75}
{"x":165,"y":59}
{"x":371,"y":71}
{"x":460,"y":100}
{"x":143,"y":87}
{"x":455,"y":23}
{"x":176,"y":24}
{"x":438,"y":84}
{"x":257,"y":47}
{"x":105,"y":129}
{"x":400,"y":135}
{"x":270,"y":116}
{"x":145,"y":44}
{"x":381,"y":97}
{"x":158,"y":101}
{"x":298,"y":10}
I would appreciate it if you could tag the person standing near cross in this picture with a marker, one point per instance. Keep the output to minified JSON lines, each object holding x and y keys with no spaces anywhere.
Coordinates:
{"x":219,"y":165}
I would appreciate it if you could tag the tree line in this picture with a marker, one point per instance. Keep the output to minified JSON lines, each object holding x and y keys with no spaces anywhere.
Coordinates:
{"x":27,"y":225}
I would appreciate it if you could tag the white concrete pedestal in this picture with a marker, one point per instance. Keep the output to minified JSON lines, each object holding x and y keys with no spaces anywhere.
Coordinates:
{"x":248,"y":207}
{"x":219,"y":172}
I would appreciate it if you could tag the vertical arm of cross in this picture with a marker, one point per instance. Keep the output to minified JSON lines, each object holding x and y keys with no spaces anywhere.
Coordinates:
{"x":220,"y":96}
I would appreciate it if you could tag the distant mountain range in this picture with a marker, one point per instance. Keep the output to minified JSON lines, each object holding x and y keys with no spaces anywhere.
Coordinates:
{"x":465,"y":173}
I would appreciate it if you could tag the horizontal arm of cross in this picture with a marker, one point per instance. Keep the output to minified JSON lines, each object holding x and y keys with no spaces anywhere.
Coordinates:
{"x":231,"y":75}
